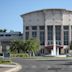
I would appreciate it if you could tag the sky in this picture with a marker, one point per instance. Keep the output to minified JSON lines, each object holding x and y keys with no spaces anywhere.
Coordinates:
{"x":10,"y":11}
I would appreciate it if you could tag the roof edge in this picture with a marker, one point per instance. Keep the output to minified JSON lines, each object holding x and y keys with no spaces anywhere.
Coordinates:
{"x":45,"y":9}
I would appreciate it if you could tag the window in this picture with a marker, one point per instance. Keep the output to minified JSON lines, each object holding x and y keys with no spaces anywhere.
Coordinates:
{"x":41,"y":27}
{"x":34,"y":27}
{"x":7,"y":35}
{"x":66,"y":27}
{"x":42,"y":38}
{"x":58,"y":34}
{"x":27,"y":35}
{"x":66,"y":35}
{"x":27,"y":27}
{"x":34,"y":34}
{"x":50,"y":32}
{"x":1,"y":35}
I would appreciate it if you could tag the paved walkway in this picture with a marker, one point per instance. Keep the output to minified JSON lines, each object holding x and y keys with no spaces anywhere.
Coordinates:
{"x":4,"y":69}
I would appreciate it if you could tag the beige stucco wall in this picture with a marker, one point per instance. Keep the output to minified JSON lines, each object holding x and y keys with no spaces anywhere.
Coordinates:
{"x":35,"y":18}
{"x":47,"y":17}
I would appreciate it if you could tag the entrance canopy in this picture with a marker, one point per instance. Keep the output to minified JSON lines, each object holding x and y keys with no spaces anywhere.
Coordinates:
{"x":51,"y":47}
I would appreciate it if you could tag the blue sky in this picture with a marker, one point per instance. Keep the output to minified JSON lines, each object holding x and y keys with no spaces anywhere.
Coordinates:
{"x":10,"y":10}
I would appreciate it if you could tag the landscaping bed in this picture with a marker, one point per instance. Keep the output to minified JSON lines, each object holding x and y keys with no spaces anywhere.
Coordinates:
{"x":4,"y":61}
{"x":23,"y":55}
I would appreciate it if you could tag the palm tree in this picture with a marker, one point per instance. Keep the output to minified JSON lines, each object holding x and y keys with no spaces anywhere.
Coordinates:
{"x":15,"y":46}
{"x":32,"y":45}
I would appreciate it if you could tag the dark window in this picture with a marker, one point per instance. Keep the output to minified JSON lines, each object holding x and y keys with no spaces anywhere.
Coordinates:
{"x":41,"y":27}
{"x":66,"y":27}
{"x":66,"y":37}
{"x":27,"y":35}
{"x":58,"y":34}
{"x":27,"y":27}
{"x":50,"y":32}
{"x":42,"y":38}
{"x":34,"y":27}
{"x":20,"y":34}
{"x":34,"y":34}
{"x":1,"y":35}
{"x":7,"y":35}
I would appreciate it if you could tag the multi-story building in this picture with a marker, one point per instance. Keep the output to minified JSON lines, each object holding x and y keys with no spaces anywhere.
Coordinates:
{"x":6,"y":38}
{"x":53,"y":27}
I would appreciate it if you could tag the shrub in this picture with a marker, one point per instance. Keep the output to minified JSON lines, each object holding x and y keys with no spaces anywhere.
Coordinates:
{"x":23,"y":55}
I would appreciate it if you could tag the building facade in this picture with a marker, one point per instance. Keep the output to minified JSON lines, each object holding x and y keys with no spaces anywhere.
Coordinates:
{"x":53,"y":27}
{"x":6,"y":38}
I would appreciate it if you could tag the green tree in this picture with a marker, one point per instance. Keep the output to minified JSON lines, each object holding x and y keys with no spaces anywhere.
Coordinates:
{"x":32,"y":45}
{"x":16,"y":46}
{"x":3,"y":30}
{"x":71,"y":45}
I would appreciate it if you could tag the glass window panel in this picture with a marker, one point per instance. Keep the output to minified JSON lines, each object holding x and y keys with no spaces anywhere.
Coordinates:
{"x":42,"y":36}
{"x":66,"y":37}
{"x":34,"y":34}
{"x":34,"y":27}
{"x":66,"y":27}
{"x":50,"y":32}
{"x":27,"y":27}
{"x":41,"y":27}
{"x":27,"y":35}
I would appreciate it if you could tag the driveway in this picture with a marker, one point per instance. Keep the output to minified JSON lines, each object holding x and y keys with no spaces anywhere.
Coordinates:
{"x":44,"y":65}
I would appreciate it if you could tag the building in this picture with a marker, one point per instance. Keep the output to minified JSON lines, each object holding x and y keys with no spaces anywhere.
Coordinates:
{"x":53,"y":27}
{"x":6,"y":38}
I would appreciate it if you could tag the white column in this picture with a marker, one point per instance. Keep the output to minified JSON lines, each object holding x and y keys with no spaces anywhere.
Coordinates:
{"x":54,"y":41}
{"x":46,"y":40}
{"x":57,"y":51}
{"x":0,"y":48}
{"x":52,"y":52}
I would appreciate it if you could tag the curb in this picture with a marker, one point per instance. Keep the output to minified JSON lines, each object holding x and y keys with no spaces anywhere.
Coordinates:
{"x":7,"y":66}
{"x":50,"y":59}
{"x":15,"y":69}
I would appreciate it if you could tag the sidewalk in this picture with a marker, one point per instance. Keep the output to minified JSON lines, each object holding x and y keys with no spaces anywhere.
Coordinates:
{"x":48,"y":58}
{"x":10,"y":68}
{"x":4,"y":69}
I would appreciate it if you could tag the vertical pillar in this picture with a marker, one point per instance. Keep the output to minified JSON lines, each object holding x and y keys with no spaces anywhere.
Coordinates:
{"x":46,"y":40}
{"x":54,"y":41}
{"x":57,"y":51}
{"x":62,"y":38}
{"x":0,"y":48}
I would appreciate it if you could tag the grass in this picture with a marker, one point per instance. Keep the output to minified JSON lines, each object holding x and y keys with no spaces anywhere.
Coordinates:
{"x":26,"y":56}
{"x":3,"y":61}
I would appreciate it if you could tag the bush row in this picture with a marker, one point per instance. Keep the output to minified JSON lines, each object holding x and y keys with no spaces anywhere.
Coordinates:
{"x":23,"y":55}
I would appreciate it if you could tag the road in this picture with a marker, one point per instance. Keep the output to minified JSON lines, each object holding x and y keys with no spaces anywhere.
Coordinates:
{"x":44,"y":65}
